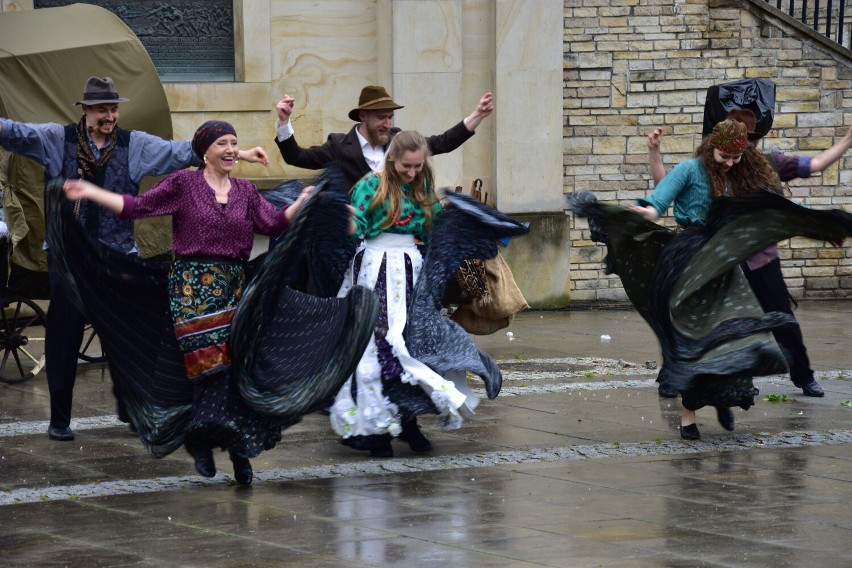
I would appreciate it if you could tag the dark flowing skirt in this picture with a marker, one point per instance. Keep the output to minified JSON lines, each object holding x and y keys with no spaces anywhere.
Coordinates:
{"x":688,"y":286}
{"x":285,"y":360}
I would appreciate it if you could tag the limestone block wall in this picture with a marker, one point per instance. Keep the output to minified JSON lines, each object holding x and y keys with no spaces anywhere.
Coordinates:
{"x":632,"y":65}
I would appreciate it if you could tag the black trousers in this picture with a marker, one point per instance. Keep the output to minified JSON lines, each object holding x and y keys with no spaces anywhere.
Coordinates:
{"x":63,"y":336}
{"x":768,"y":285}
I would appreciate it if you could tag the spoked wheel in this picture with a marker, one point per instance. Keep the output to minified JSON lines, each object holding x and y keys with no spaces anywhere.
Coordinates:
{"x":21,"y":339}
{"x":91,"y":350}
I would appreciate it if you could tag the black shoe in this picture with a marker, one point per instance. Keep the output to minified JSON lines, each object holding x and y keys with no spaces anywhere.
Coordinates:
{"x":690,"y":432}
{"x":60,"y":434}
{"x":812,"y":389}
{"x":381,"y":446}
{"x":726,"y":418}
{"x":204,"y":464}
{"x":242,"y":469}
{"x":416,"y":440}
{"x":666,"y":391}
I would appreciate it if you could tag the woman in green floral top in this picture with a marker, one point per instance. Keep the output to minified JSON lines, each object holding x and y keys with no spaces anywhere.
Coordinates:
{"x":394,"y":209}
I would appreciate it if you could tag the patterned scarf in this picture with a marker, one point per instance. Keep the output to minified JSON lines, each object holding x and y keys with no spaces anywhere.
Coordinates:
{"x":730,"y":136}
{"x":87,"y":165}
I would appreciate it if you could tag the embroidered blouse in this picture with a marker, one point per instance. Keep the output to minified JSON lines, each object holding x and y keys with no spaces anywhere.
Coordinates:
{"x":411,"y":219}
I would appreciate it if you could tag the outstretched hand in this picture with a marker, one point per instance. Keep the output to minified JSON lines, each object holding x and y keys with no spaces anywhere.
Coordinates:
{"x":648,"y":212}
{"x":255,"y":155}
{"x":285,"y":109}
{"x":655,"y":138}
{"x":486,"y":104}
{"x":76,"y":188}
{"x":484,"y":108}
{"x":294,"y":207}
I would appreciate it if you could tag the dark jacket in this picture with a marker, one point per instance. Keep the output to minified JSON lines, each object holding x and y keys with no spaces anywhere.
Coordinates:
{"x":345,"y":150}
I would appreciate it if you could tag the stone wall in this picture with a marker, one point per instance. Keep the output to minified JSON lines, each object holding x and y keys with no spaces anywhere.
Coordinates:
{"x":626,"y":67}
{"x":633,"y":65}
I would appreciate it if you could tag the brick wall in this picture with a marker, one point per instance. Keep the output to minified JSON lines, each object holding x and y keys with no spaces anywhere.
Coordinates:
{"x":632,"y":65}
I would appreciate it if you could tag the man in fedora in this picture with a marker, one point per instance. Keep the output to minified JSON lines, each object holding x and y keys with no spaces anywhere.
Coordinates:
{"x":95,"y":149}
{"x":763,"y":271}
{"x":362,"y":149}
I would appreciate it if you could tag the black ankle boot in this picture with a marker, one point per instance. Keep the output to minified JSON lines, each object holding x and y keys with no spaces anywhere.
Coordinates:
{"x":204,"y":464}
{"x":242,"y":469}
{"x":380,"y":446}
{"x":416,"y":440}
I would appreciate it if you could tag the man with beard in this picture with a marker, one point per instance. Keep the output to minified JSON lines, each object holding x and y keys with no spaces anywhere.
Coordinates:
{"x":97,"y":150}
{"x":362,"y":149}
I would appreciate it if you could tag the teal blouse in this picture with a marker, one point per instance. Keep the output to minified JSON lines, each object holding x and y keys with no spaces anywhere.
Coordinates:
{"x":688,"y":187}
{"x":368,"y":222}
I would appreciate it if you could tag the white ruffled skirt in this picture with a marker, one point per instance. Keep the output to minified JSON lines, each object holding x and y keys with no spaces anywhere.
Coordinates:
{"x":374,"y":413}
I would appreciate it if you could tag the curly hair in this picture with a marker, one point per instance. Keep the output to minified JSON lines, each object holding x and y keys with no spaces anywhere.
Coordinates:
{"x":752,"y":173}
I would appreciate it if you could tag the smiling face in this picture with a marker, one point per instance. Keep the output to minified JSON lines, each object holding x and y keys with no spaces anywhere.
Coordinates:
{"x":101,"y":119}
{"x":409,"y":165}
{"x":376,"y":126}
{"x":725,"y":160}
{"x":222,"y":154}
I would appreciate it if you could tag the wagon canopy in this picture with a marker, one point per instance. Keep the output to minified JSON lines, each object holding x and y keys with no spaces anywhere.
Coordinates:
{"x":46,"y":56}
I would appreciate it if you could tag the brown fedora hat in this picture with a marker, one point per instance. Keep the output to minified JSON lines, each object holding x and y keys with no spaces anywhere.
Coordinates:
{"x":373,"y":97}
{"x":747,"y":117}
{"x":99,"y":91}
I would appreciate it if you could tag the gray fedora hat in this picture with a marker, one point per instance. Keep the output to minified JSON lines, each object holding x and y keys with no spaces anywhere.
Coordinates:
{"x":99,"y":91}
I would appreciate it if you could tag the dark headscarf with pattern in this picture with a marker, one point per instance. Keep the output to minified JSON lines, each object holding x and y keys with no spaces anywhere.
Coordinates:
{"x":208,"y":133}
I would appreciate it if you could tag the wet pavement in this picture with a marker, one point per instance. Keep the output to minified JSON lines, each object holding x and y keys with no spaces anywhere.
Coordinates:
{"x":577,"y":463}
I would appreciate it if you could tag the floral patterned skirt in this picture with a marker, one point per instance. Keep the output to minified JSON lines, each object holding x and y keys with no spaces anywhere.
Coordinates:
{"x":204,"y":294}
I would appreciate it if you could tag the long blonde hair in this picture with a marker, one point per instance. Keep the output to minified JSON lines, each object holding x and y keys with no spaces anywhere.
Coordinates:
{"x":421,"y":189}
{"x":753,"y":173}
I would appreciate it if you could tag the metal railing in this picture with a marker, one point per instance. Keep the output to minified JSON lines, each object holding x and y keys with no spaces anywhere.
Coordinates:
{"x":827,"y":18}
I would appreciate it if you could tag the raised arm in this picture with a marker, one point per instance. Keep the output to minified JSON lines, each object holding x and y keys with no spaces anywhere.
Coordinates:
{"x":655,"y":158}
{"x":831,"y":155}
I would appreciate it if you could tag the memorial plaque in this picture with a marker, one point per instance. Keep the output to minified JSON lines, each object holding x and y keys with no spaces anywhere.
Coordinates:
{"x":188,"y":40}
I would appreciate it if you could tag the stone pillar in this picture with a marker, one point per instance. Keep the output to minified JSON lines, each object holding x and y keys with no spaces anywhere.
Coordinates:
{"x":528,"y":75}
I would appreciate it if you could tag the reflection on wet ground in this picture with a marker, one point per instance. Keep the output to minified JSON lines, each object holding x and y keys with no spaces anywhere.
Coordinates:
{"x":579,"y":463}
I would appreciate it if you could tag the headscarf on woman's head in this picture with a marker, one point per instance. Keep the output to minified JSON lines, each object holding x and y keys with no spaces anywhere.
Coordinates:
{"x":730,"y":136}
{"x":208,"y":133}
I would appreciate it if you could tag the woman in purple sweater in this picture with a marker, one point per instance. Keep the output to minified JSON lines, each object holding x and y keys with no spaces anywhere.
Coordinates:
{"x":214,"y":220}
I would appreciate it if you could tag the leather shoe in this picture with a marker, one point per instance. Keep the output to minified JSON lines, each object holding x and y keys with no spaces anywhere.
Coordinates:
{"x":726,"y":418}
{"x":242,"y":469}
{"x":812,"y":389}
{"x":204,"y":464}
{"x":416,"y":440}
{"x":60,"y":434}
{"x":666,"y":391}
{"x":381,"y":446}
{"x":690,"y":432}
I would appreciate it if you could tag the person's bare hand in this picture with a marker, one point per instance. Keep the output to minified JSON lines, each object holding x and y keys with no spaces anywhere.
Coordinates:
{"x":285,"y":109}
{"x":655,"y":138}
{"x":486,"y":104}
{"x":296,"y":205}
{"x":76,"y":188}
{"x":352,"y":226}
{"x":648,"y":212}
{"x":255,"y":155}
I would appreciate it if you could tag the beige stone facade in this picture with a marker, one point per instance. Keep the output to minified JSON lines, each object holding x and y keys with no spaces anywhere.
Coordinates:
{"x":577,"y":83}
